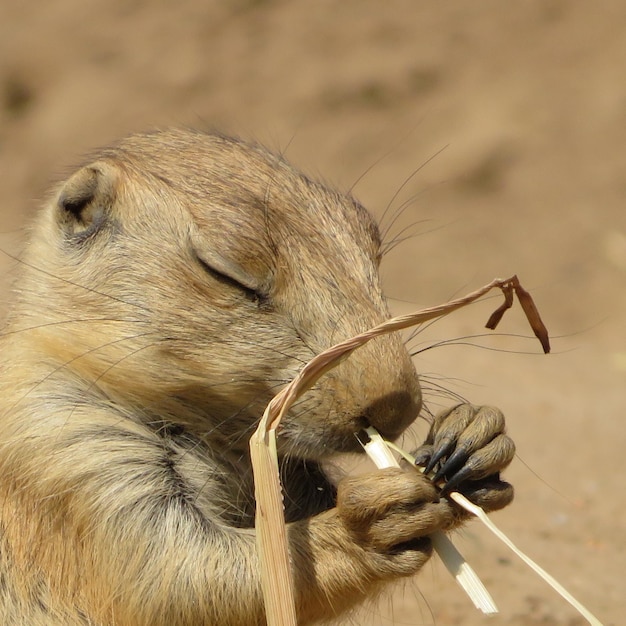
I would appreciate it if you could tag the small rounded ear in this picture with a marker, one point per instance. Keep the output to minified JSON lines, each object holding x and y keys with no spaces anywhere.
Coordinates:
{"x":85,"y":199}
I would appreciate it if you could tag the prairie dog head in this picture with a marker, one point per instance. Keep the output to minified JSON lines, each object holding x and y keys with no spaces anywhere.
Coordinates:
{"x":184,"y":278}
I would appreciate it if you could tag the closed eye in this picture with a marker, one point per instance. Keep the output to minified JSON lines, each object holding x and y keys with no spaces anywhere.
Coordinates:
{"x":253,"y":295}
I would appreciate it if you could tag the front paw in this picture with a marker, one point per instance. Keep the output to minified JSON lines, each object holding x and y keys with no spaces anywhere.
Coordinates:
{"x":467,"y":448}
{"x":389,"y":514}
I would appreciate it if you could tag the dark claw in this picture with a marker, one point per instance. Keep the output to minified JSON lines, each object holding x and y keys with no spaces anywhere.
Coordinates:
{"x":465,"y":445}
{"x":457,"y":479}
{"x":442,"y":451}
{"x":455,"y":461}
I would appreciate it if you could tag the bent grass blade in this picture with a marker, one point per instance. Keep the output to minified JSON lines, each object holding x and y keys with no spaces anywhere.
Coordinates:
{"x":272,"y":546}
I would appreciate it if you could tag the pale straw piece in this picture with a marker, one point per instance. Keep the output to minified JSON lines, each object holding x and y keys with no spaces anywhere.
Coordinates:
{"x":465,"y":576}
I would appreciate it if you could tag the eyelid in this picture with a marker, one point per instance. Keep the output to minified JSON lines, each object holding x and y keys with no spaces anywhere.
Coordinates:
{"x":224,"y":266}
{"x":226,"y":277}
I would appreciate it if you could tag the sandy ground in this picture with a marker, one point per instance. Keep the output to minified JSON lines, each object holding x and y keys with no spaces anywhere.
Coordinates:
{"x":495,"y":131}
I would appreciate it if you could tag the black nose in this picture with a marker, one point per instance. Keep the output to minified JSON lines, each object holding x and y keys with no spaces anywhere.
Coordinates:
{"x":392,"y":413}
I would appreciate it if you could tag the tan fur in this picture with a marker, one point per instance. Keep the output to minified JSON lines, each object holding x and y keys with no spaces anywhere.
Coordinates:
{"x":170,"y":288}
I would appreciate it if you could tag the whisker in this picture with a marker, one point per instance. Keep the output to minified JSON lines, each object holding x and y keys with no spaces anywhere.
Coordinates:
{"x":403,"y":138}
{"x":369,"y":168}
{"x":94,"y":383}
{"x":441,"y":393}
{"x":74,"y":321}
{"x":408,"y":179}
{"x":76,"y":358}
{"x":250,"y":428}
{"x":464,"y":341}
{"x":69,"y":282}
{"x":388,"y":246}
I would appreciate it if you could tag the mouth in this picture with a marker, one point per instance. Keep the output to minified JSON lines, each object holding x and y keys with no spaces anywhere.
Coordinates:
{"x":323,"y":444}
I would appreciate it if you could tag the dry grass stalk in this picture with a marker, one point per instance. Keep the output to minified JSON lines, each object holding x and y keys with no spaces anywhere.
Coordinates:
{"x":379,"y":451}
{"x":270,"y":524}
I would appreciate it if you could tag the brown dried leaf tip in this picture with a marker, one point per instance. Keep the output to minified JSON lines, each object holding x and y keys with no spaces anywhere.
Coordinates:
{"x":528,"y":306}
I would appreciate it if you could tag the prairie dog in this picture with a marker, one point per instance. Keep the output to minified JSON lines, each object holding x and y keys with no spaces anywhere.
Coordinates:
{"x":171,"y":286}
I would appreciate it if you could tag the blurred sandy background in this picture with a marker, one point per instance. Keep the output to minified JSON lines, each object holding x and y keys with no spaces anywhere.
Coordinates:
{"x":527,"y":101}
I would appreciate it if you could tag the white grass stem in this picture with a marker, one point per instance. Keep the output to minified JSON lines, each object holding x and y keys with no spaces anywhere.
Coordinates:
{"x":461,"y":500}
